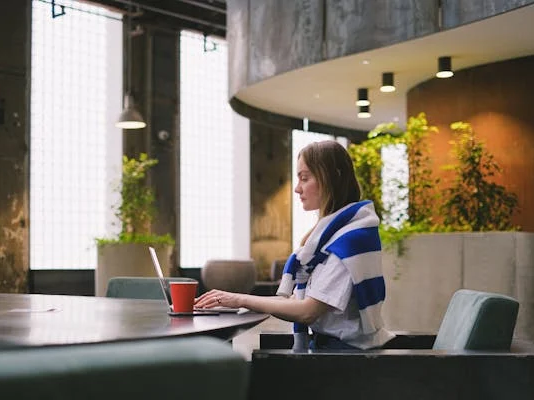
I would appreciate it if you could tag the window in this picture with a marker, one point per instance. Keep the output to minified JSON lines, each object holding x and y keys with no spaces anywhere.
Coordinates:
{"x":75,"y":148}
{"x":214,"y":164}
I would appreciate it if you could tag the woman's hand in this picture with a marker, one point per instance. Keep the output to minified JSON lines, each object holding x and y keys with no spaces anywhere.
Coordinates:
{"x":218,"y":298}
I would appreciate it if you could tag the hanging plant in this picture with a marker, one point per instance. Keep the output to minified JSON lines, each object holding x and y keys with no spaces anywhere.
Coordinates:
{"x":418,"y":189}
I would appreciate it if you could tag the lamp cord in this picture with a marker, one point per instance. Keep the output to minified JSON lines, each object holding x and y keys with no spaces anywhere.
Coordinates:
{"x":129,"y":49}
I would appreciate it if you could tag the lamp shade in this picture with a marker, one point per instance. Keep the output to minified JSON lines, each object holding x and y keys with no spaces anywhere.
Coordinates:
{"x":388,"y":84}
{"x":444,"y":67}
{"x":363,"y":97}
{"x":130,"y":118}
{"x":364,"y":112}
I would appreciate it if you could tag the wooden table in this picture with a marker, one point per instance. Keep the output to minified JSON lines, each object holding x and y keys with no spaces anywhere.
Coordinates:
{"x":41,"y":320}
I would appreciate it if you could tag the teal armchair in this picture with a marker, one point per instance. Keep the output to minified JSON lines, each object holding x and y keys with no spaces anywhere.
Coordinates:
{"x":477,"y":321}
{"x":178,"y":368}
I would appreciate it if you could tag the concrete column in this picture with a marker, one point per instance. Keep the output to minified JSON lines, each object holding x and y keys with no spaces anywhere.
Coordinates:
{"x":155,"y":86}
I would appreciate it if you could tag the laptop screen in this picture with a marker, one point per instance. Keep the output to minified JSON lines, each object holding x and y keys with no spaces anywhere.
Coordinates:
{"x":164,"y":285}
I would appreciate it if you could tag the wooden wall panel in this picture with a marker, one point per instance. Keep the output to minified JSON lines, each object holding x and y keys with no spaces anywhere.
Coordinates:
{"x":497,"y":99}
{"x":270,"y":185}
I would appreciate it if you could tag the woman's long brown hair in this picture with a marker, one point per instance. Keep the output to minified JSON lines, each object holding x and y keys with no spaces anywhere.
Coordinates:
{"x":330,"y":164}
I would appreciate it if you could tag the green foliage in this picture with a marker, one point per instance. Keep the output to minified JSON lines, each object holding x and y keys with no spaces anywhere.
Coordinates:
{"x":129,"y":238}
{"x":367,"y":167}
{"x":473,"y":202}
{"x":421,"y":200}
{"x":393,"y":238}
{"x":136,"y":209}
{"x":367,"y":161}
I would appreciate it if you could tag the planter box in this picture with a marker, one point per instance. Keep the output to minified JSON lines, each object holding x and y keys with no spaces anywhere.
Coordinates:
{"x":128,"y":259}
{"x":421,"y":282}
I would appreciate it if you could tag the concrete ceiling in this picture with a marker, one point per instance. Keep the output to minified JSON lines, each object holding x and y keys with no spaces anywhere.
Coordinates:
{"x":326,"y":92}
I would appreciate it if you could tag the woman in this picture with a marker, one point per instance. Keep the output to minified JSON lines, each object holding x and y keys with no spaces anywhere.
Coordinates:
{"x":337,"y":270}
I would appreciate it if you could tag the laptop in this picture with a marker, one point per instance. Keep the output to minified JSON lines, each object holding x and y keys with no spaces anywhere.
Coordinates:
{"x":167,"y":292}
{"x":164,"y":284}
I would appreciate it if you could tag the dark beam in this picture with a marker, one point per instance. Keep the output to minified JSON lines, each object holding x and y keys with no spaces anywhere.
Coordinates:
{"x":204,"y":5}
{"x":172,"y":14}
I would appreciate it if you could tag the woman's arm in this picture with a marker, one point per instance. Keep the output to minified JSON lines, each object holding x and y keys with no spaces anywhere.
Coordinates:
{"x":304,"y":311}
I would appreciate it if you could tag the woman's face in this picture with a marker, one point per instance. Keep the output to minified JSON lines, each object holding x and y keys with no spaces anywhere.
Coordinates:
{"x":307,"y":187}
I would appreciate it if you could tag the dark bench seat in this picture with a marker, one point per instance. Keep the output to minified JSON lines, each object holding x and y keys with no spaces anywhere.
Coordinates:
{"x":399,"y":374}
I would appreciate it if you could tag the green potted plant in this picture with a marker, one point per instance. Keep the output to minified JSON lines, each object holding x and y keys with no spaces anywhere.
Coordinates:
{"x":127,"y":253}
{"x":458,"y":234}
{"x":367,"y":161}
{"x":474,"y":202}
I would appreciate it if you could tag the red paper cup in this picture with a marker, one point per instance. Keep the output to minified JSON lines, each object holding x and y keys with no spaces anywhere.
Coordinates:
{"x":183,"y":296}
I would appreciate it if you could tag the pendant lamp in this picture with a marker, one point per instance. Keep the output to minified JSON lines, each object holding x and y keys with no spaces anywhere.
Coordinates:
{"x":364,"y":112}
{"x":363,"y":97}
{"x":444,"y":67}
{"x":388,"y":84}
{"x":130,"y":118}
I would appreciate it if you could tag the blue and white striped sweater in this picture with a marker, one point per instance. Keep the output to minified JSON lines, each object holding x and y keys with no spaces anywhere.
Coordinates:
{"x":351,"y":234}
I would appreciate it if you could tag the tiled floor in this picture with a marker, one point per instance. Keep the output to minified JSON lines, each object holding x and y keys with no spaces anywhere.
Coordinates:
{"x":250,"y":340}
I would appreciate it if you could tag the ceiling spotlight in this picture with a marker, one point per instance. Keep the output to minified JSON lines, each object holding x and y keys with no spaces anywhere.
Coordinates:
{"x":363,"y":97}
{"x":364,"y":112}
{"x":388,"y":84}
{"x":444,"y":67}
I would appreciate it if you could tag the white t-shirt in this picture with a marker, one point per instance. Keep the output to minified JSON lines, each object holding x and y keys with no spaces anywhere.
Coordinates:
{"x":331,"y":283}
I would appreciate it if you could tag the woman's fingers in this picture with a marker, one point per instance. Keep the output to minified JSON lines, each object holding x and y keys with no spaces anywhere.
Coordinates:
{"x":209,"y":299}
{"x":207,"y":295}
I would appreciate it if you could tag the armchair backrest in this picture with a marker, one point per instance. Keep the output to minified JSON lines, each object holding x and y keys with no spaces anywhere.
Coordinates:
{"x":477,"y":321}
{"x":174,"y":368}
{"x":237,"y":276}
